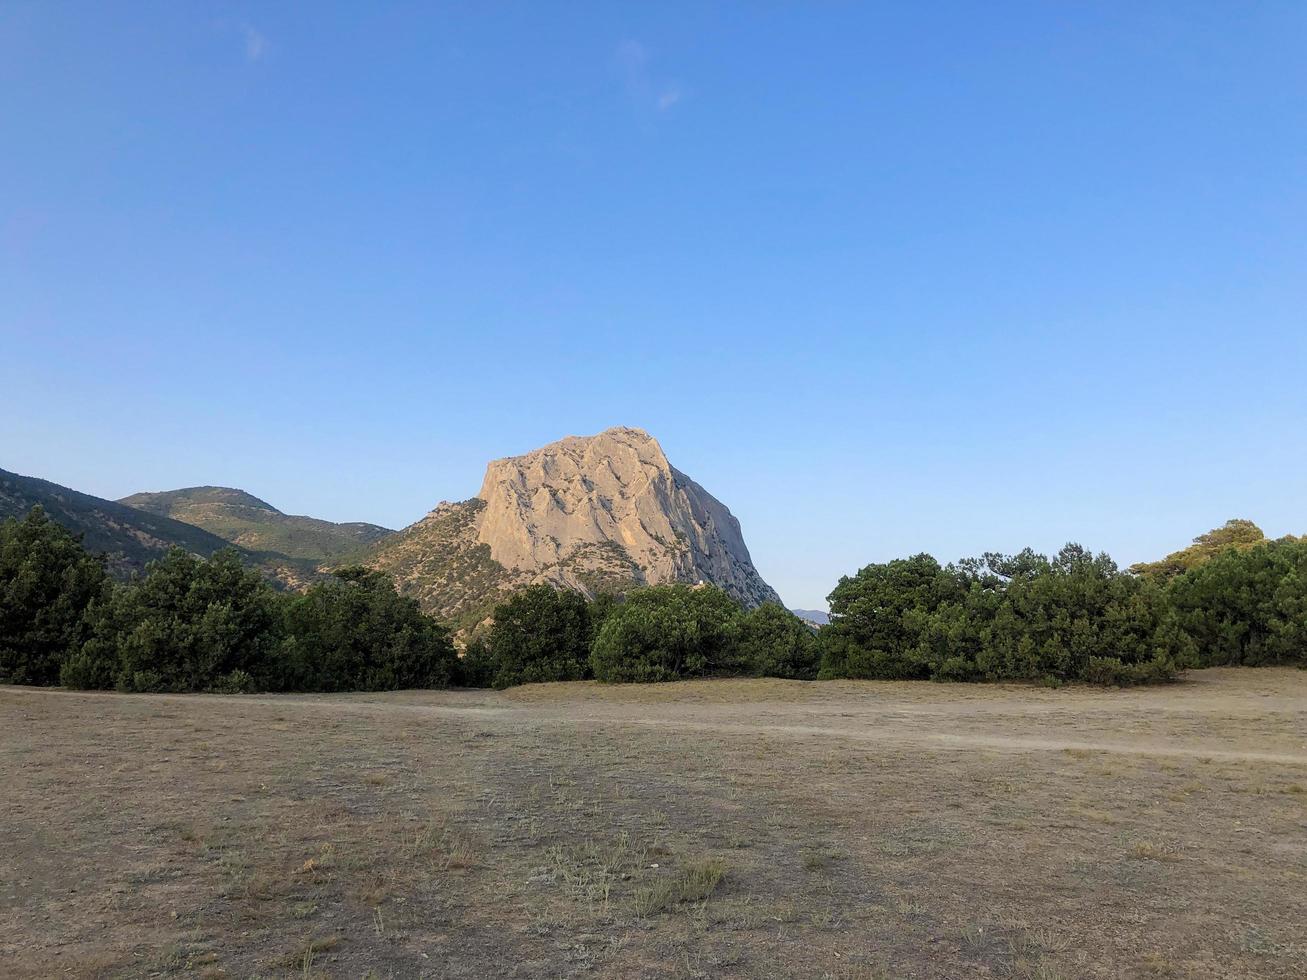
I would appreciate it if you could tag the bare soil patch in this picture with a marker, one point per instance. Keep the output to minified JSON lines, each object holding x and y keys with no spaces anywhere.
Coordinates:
{"x":705,"y":829}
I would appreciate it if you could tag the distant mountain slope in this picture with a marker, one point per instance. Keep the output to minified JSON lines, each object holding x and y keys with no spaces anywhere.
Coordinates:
{"x":129,"y":538}
{"x":814,"y":616}
{"x":256,"y":525}
{"x":594,"y":513}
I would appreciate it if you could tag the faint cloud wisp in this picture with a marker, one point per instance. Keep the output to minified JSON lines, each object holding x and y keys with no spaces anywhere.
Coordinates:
{"x":256,"y":45}
{"x":669,"y":99}
{"x":642,"y":86}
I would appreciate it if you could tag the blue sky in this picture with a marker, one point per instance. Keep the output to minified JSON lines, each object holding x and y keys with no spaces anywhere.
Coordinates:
{"x":884,"y":278}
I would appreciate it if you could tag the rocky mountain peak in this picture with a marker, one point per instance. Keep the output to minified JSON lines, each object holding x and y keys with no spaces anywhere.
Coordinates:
{"x":590,"y":513}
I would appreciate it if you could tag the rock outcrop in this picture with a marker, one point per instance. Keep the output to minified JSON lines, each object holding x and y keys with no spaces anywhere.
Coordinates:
{"x":594,"y":513}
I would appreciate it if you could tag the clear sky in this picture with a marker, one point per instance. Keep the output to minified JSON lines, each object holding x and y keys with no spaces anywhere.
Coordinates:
{"x":883,"y":277}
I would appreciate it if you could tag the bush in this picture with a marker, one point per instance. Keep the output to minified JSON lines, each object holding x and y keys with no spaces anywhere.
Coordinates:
{"x":540,"y":634}
{"x":47,"y":585}
{"x":476,"y":668}
{"x":356,"y":633}
{"x":1243,"y":606}
{"x":667,"y":632}
{"x":1019,"y":617}
{"x":185,"y":626}
{"x":92,"y":668}
{"x":773,"y":642}
{"x":1057,"y":616}
{"x":882,"y":618}
{"x":1109,"y":671}
{"x":196,"y":625}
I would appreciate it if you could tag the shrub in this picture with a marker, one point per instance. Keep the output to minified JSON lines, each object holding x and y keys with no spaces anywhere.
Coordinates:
{"x":881,"y":618}
{"x":1058,"y":615}
{"x":540,"y":634}
{"x":1020,"y":617}
{"x":1243,"y":606}
{"x":95,"y":667}
{"x":237,"y":682}
{"x":666,"y":632}
{"x":773,"y":642}
{"x":183,"y":627}
{"x":356,"y":633}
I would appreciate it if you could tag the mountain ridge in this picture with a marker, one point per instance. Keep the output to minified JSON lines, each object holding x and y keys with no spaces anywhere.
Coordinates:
{"x":251,"y":523}
{"x":817,"y":617}
{"x":127,"y":537}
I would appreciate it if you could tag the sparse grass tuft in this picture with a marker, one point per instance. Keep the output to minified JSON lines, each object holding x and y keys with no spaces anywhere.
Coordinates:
{"x":819,"y":860}
{"x":303,"y":957}
{"x":693,"y":883}
{"x":1154,"y":851}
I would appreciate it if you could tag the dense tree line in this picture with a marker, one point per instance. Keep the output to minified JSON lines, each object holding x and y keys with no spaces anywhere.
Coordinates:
{"x":659,"y":633}
{"x":1075,"y":616}
{"x":192,"y":624}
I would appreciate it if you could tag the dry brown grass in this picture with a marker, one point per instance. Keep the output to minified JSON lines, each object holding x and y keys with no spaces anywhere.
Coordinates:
{"x":707,"y":829}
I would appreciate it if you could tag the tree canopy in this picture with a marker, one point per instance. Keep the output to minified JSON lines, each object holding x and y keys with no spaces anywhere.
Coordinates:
{"x":1237,"y":534}
{"x":48,"y":582}
{"x":1075,"y":616}
{"x":354,"y":632}
{"x":666,"y":632}
{"x":540,"y":634}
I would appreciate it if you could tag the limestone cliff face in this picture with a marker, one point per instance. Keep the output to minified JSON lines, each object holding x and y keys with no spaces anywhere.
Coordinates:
{"x":582,"y":508}
{"x":593,"y":513}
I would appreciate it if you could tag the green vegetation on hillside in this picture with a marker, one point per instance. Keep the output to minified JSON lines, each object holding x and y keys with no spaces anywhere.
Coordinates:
{"x":257,"y":526}
{"x":439,"y":562}
{"x":194,"y":624}
{"x":127,"y":537}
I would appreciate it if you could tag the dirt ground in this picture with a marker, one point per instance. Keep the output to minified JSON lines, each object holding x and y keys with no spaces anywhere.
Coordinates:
{"x":706,"y":829}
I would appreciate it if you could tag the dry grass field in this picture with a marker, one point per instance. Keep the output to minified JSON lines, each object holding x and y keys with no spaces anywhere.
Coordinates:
{"x":706,"y":829}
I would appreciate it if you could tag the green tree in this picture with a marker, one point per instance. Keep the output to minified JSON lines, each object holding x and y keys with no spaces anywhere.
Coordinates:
{"x":188,"y":625}
{"x":476,"y":667}
{"x":666,"y":632}
{"x":999,"y":617}
{"x":773,"y":642}
{"x":355,"y":632}
{"x":47,"y":584}
{"x":881,"y":619}
{"x":1076,"y":617}
{"x":1243,"y":607}
{"x":540,"y":634}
